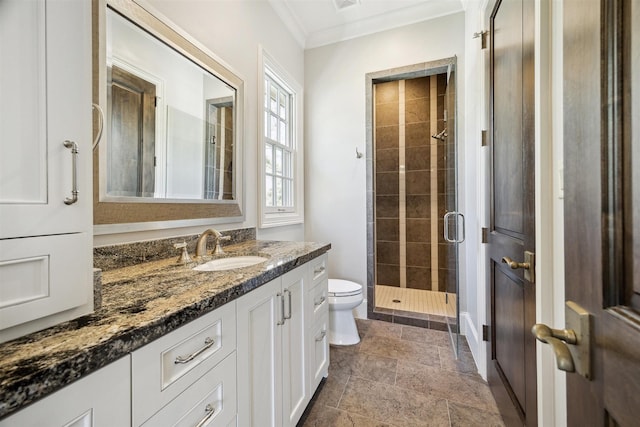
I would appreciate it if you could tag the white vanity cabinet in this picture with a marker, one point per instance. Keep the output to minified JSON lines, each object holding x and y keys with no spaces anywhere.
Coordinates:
{"x":101,"y":399}
{"x":45,"y":233}
{"x":188,"y":375}
{"x":317,"y":301}
{"x":276,"y":357}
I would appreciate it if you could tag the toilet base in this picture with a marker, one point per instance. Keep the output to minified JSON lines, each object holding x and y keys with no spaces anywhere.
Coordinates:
{"x":342,"y":328}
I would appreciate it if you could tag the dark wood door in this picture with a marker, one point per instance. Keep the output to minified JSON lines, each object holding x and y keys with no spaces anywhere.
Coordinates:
{"x":602,"y":203}
{"x":512,"y":369}
{"x":131,"y":152}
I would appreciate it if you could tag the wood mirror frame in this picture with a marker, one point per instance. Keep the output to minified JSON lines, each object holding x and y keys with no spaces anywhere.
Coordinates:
{"x":109,"y":217}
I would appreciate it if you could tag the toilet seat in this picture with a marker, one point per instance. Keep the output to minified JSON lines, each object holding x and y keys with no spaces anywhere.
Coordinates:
{"x":343,"y":288}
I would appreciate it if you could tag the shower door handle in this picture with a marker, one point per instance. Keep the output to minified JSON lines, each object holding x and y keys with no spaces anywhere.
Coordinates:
{"x":456,"y":239}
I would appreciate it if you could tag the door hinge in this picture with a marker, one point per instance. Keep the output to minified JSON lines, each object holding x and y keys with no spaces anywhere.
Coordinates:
{"x":155,"y":161}
{"x":483,"y":37}
{"x":484,"y":137}
{"x":155,"y":101}
{"x":485,"y":235}
{"x":485,"y":332}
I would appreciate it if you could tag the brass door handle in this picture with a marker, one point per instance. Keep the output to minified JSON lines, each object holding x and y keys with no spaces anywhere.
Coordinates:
{"x":515,"y":264}
{"x":558,"y":338}
{"x":528,"y":265}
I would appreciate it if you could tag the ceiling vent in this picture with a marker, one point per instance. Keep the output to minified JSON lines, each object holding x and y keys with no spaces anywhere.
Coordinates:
{"x":343,"y":4}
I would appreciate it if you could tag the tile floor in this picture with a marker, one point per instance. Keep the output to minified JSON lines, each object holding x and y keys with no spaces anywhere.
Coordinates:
{"x":401,"y":376}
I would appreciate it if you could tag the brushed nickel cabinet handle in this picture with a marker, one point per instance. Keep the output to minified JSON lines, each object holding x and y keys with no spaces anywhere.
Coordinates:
{"x":208,"y":343}
{"x":319,"y":270}
{"x":320,"y":301}
{"x":281,"y":321}
{"x":321,"y":336}
{"x":209,"y":410}
{"x":74,"y":172}
{"x":288,"y":292}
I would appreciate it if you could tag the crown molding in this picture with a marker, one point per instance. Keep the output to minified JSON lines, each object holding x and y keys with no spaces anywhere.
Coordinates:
{"x":290,"y":21}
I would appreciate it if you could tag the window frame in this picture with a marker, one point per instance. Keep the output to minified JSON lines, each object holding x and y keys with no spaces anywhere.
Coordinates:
{"x":273,"y":216}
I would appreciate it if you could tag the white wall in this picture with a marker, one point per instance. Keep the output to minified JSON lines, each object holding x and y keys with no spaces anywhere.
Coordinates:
{"x":335,"y":199}
{"x":233,"y":30}
{"x":473,"y":203}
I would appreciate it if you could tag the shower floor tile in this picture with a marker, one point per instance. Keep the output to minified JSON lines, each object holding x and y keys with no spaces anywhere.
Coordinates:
{"x":415,"y":301}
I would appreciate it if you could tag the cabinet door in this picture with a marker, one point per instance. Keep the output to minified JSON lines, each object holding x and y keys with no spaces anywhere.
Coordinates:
{"x":101,"y":399}
{"x":259,"y":356}
{"x":295,"y":386}
{"x":46,"y":100}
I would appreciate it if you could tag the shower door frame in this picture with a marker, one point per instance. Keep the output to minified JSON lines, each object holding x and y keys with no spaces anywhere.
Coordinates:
{"x":408,"y":72}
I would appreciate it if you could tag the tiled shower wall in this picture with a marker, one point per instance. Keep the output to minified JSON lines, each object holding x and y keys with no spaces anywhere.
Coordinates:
{"x":407,"y":195}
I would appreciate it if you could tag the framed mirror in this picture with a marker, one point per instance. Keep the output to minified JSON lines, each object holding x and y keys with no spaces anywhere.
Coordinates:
{"x":171,"y":149}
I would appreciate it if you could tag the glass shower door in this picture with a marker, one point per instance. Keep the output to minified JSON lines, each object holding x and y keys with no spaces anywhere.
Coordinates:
{"x":453,"y":220}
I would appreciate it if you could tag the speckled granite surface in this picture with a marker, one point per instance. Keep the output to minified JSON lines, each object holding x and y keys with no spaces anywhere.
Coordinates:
{"x":139,"y":304}
{"x":118,"y":256}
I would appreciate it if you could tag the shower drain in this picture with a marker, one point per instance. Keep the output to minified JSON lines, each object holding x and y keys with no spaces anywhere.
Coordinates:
{"x":396,"y":300}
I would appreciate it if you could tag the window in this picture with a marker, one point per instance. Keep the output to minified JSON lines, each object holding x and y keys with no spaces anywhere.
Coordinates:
{"x":281,"y":190}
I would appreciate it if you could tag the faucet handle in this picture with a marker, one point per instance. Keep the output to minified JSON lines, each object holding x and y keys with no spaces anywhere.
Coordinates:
{"x":218,"y":249}
{"x":184,"y":255}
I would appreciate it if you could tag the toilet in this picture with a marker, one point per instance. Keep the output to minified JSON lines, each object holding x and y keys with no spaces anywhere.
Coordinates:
{"x":344,"y":296}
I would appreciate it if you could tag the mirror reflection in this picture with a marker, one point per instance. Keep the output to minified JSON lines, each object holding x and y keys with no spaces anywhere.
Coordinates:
{"x":170,"y":123}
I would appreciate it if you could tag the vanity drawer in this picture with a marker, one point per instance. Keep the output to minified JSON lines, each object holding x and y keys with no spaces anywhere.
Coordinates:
{"x":211,"y":400}
{"x":318,"y":268}
{"x":319,"y":352}
{"x":320,"y":299}
{"x":166,"y":367}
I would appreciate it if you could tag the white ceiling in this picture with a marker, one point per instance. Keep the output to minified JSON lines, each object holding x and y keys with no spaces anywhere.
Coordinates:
{"x":318,"y":22}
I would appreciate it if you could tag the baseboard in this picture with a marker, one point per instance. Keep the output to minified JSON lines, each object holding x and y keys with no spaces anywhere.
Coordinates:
{"x":474,"y":340}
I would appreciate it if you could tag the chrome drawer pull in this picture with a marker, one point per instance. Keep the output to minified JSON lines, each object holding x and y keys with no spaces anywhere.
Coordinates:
{"x":74,"y":172}
{"x":210,"y":410}
{"x":320,"y":302}
{"x":321,"y":337}
{"x":319,"y":270}
{"x":208,"y":343}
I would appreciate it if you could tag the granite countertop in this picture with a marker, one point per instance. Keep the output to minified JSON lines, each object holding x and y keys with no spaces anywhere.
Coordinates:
{"x":140,"y":303}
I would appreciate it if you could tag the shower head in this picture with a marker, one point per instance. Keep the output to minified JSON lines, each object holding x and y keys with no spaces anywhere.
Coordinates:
{"x":441,"y":136}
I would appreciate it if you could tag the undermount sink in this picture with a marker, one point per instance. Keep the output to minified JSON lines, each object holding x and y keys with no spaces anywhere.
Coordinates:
{"x":230,"y":263}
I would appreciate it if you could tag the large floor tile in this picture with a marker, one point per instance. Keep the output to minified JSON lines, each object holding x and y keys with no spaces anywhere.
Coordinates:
{"x":431,"y":381}
{"x":368,"y":366}
{"x":466,"y":416}
{"x":429,"y":336}
{"x":381,"y":329}
{"x":332,"y":390}
{"x":393,"y":405}
{"x":464,"y":363}
{"x":324,"y":416}
{"x":396,"y":348}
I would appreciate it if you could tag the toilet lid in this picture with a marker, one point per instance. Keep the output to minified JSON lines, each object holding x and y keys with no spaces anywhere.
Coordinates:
{"x":343,"y":288}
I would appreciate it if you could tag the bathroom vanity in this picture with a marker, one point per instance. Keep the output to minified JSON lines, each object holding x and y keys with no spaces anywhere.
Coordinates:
{"x":172,"y":345}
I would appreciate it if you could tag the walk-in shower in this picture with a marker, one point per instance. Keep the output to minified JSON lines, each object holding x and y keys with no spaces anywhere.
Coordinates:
{"x":414,"y":224}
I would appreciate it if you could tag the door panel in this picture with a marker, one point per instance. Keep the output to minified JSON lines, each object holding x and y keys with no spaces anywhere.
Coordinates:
{"x":602,"y":183}
{"x":510,"y":328}
{"x":512,"y":370}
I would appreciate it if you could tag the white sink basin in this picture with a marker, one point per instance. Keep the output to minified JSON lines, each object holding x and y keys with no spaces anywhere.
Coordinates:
{"x":230,"y":263}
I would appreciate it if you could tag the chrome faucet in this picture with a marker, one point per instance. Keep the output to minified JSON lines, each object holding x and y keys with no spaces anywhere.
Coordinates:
{"x":201,"y":245}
